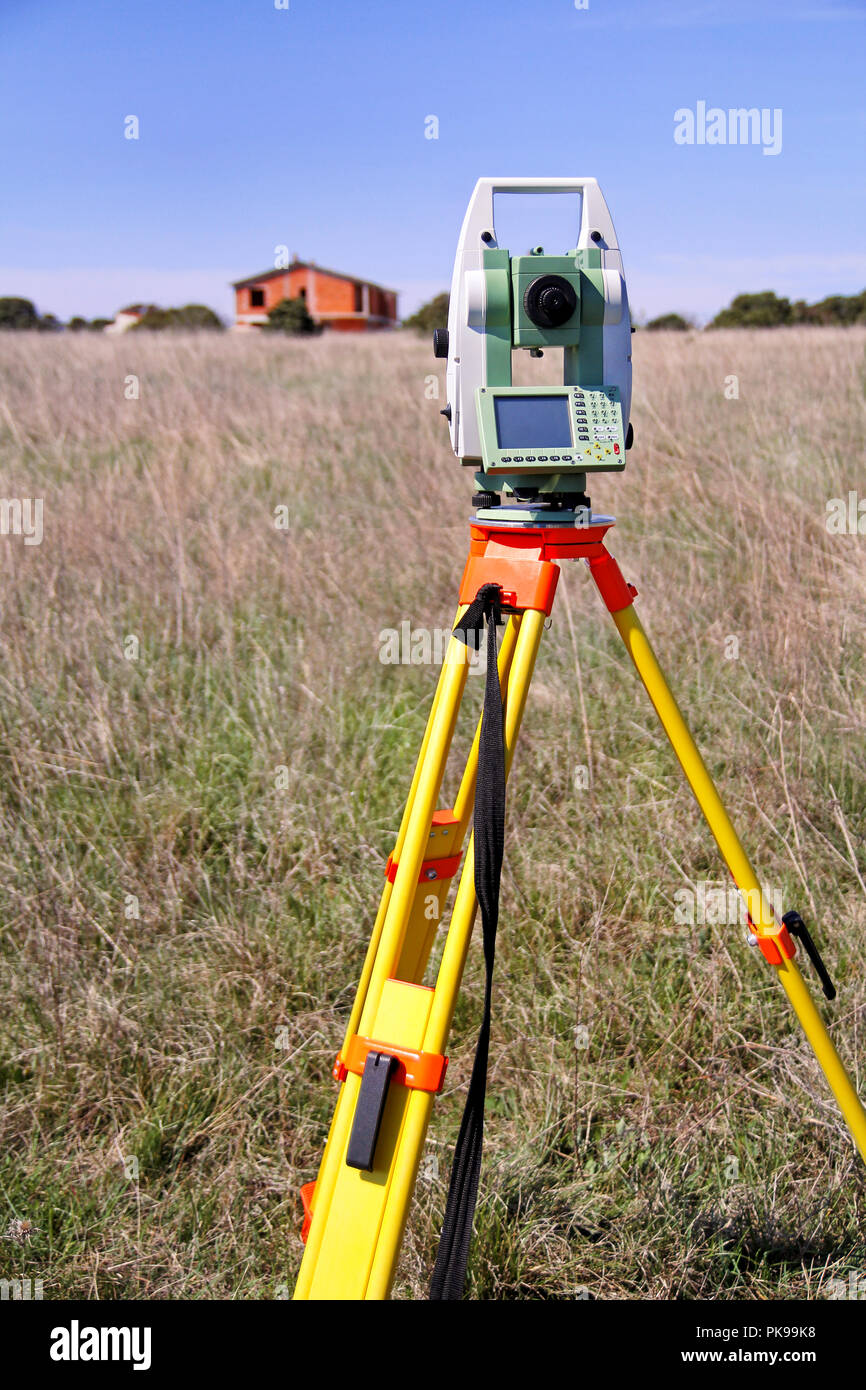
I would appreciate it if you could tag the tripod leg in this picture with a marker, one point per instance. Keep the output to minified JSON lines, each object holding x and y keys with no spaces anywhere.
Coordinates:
{"x":462,"y":814}
{"x":773,"y":940}
{"x":353,"y":1207}
{"x":448,"y":980}
{"x":319,"y":1275}
{"x":422,"y":926}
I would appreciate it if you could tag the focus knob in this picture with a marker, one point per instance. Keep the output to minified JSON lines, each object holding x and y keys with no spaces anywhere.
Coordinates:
{"x":440,"y":342}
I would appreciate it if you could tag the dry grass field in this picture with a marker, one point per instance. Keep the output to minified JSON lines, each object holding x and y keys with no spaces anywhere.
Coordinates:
{"x":203,"y":768}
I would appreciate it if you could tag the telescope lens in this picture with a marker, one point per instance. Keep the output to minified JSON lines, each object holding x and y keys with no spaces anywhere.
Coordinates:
{"x":549,"y":301}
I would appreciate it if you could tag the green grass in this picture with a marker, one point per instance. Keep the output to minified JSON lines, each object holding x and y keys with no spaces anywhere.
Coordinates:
{"x":193,"y":841}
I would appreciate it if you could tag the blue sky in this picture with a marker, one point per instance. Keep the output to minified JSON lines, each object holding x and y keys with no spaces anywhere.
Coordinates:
{"x":305,"y":127}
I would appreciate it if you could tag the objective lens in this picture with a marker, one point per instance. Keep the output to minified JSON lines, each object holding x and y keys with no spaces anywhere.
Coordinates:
{"x":549,"y":301}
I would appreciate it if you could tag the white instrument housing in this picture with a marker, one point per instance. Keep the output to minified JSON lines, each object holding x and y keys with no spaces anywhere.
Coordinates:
{"x":467,"y":336}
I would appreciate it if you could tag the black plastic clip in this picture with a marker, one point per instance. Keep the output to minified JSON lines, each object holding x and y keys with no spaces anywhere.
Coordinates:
{"x":797,"y":927}
{"x":369,"y":1110}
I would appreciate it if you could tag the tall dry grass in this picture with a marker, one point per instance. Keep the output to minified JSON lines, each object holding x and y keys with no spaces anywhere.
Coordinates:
{"x":193,"y":840}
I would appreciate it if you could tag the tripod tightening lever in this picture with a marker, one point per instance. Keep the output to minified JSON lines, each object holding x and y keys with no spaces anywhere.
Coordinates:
{"x":797,"y":927}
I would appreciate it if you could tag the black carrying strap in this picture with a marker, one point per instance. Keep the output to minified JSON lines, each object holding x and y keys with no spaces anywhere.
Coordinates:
{"x":449,"y":1271}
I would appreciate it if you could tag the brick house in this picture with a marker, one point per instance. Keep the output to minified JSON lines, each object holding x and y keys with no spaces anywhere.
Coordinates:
{"x":333,"y":300}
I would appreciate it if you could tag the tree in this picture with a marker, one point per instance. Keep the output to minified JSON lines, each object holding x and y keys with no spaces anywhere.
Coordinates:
{"x":764,"y":310}
{"x":674,"y":322}
{"x":433,"y":314}
{"x":191,"y":317}
{"x":97,"y":325}
{"x":290,"y":316}
{"x":77,"y":324}
{"x":152,"y":319}
{"x":49,"y":323}
{"x":196,"y":316}
{"x":836,"y":308}
{"x":17,"y":314}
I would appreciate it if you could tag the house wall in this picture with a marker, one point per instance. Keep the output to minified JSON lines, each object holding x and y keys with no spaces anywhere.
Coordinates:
{"x":383,"y":303}
{"x":332,"y":296}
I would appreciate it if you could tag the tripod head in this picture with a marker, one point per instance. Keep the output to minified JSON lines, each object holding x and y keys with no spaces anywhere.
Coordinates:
{"x":532,"y":447}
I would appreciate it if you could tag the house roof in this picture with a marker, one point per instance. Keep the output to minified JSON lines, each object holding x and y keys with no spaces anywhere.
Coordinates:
{"x":308,"y":265}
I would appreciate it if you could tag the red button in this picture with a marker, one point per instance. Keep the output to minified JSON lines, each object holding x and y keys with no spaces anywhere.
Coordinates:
{"x":616,"y":448}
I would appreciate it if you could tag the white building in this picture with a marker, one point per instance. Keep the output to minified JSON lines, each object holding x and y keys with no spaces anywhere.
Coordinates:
{"x":127,"y":318}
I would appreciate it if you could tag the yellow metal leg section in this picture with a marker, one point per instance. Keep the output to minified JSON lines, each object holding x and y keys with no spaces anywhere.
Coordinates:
{"x":346,"y":1244}
{"x":448,"y":981}
{"x":359,"y":1218}
{"x":463,"y":914}
{"x":390,"y":933}
{"x":346,"y":1199}
{"x":446,"y":680}
{"x":426,"y":913}
{"x":419,"y":932}
{"x":735,"y":857}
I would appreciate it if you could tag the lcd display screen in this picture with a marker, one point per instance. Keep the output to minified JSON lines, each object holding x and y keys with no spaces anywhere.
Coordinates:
{"x":532,"y":422}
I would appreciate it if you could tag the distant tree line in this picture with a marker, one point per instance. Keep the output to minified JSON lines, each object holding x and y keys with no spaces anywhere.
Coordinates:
{"x":767,"y":310}
{"x":21,"y":315}
{"x":670,"y":323}
{"x":80,"y":325}
{"x":763,"y":310}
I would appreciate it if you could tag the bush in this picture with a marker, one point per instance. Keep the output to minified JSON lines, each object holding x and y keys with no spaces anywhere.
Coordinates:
{"x":153,"y":319}
{"x":674,"y":322}
{"x":17,"y":314}
{"x":836,"y":308}
{"x":196,"y":316}
{"x":433,"y":314}
{"x":290,"y":316}
{"x":764,"y":310}
{"x":191,"y":317}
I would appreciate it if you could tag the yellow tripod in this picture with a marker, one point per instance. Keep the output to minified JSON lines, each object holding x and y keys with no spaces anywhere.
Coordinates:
{"x":392,"y":1060}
